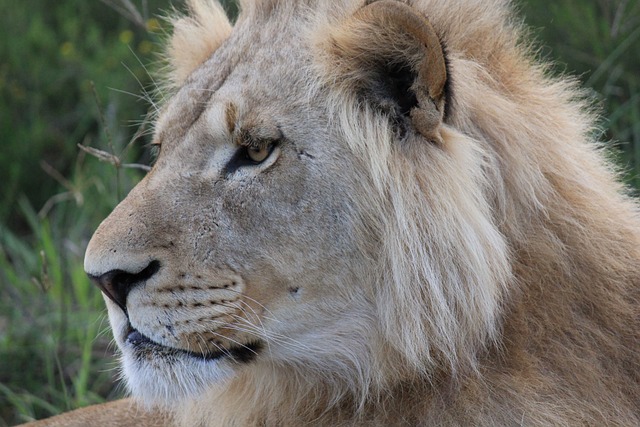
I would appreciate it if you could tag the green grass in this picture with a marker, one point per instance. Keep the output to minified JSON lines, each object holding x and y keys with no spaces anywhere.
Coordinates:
{"x":54,"y":344}
{"x":64,"y":76}
{"x":61,"y":61}
{"x":598,"y":41}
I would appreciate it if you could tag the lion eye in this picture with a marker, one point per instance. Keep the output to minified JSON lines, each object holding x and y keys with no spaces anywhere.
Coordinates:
{"x":259,"y":154}
{"x":251,"y":155}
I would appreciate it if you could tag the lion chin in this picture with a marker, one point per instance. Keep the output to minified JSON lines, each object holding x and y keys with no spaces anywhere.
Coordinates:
{"x":159,"y":373}
{"x":371,"y":213}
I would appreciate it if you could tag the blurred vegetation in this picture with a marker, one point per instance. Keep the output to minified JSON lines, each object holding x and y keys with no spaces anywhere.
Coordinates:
{"x":599,"y":41}
{"x":75,"y":73}
{"x":71,"y":73}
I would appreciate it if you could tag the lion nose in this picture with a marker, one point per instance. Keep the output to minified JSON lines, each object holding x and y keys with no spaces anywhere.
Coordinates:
{"x":116,"y":284}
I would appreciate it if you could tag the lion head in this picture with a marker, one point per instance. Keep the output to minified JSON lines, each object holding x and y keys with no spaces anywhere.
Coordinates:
{"x":359,"y":211}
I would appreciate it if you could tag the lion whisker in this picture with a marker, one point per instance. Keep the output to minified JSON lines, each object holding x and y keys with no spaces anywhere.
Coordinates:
{"x":248,"y":327}
{"x":244,"y":296}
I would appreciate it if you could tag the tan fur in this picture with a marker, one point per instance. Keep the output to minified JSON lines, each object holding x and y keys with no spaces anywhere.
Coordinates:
{"x":195,"y":37}
{"x":399,"y":267}
{"x":121,"y":413}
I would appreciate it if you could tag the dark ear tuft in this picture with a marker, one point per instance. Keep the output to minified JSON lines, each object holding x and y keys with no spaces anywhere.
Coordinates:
{"x":390,"y":91}
{"x":397,"y":81}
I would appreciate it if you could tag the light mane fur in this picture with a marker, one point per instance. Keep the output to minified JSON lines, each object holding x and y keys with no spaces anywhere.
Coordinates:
{"x":532,"y":264}
{"x":195,"y":36}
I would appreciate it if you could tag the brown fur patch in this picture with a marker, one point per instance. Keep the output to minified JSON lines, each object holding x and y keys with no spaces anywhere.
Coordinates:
{"x":231,"y":117}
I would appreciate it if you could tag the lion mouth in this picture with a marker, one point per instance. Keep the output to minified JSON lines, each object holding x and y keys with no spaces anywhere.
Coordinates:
{"x":143,"y":345}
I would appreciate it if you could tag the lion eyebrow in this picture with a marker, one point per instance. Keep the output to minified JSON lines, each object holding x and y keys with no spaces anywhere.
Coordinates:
{"x":231,"y":116}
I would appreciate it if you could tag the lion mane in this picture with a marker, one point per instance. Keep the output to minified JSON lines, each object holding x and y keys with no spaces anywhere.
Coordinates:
{"x":500,"y":257}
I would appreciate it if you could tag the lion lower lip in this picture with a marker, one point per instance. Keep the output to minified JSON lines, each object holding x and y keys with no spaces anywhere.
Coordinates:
{"x":135,"y":338}
{"x":142,"y":343}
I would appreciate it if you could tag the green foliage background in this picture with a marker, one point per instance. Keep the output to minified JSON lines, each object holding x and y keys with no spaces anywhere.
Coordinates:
{"x":74,"y":72}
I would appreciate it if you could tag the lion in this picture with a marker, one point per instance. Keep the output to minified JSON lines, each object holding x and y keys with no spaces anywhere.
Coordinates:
{"x":371,"y":213}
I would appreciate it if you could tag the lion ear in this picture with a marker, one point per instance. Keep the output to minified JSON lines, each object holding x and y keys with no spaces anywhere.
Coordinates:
{"x":195,"y":37}
{"x":392,"y":57}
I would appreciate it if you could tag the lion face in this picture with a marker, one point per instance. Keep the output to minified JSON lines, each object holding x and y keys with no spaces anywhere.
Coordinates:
{"x":238,"y":246}
{"x":301,"y":219}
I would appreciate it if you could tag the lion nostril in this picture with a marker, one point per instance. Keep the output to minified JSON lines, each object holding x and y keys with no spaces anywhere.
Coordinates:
{"x":116,"y":284}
